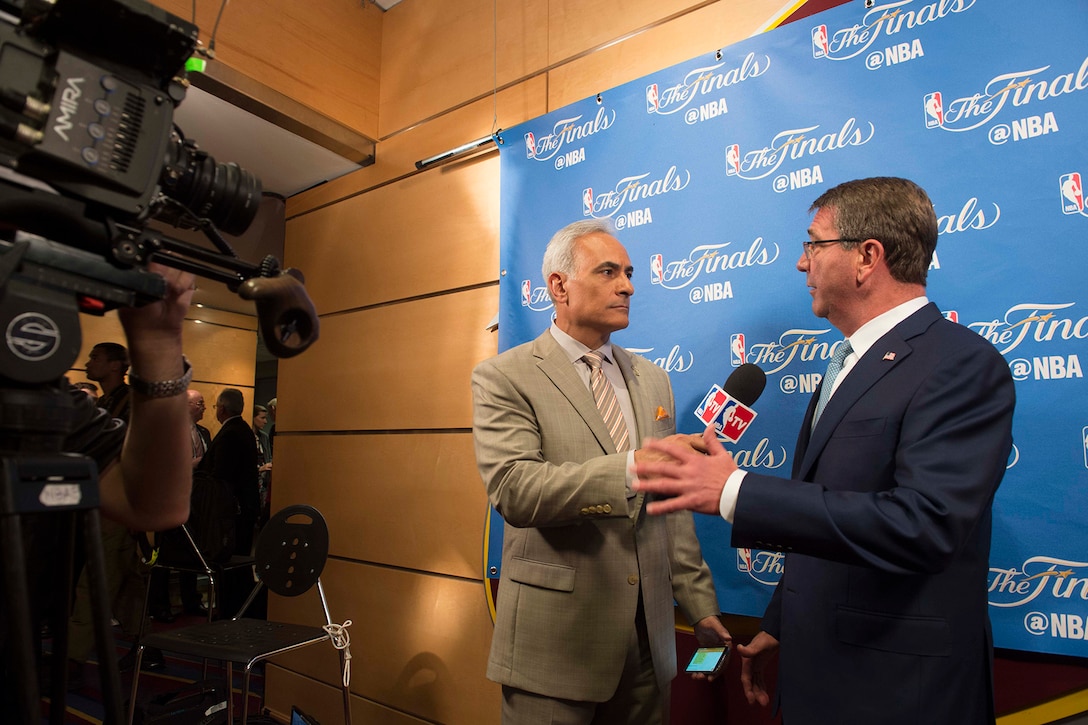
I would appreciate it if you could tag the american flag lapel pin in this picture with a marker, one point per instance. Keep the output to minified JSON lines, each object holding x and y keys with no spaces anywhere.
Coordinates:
{"x":889,"y":356}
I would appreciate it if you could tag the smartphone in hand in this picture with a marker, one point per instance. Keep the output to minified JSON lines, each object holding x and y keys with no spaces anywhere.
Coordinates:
{"x":708,"y":660}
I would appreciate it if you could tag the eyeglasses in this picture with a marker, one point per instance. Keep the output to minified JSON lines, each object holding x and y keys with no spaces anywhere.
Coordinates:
{"x":808,"y":246}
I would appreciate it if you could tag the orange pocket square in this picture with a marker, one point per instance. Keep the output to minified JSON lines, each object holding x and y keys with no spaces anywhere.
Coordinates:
{"x":661,"y":414}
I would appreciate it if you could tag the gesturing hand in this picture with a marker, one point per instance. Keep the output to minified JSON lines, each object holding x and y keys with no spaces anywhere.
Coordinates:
{"x":681,"y":476}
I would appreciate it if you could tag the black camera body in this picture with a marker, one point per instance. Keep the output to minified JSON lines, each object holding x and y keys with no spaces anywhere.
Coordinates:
{"x":104,"y":134}
{"x":89,"y":157}
{"x":88,"y":89}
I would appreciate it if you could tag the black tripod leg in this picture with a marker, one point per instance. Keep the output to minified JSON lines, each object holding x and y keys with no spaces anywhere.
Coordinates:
{"x":19,"y":622}
{"x":109,"y":675}
{"x":59,"y":607}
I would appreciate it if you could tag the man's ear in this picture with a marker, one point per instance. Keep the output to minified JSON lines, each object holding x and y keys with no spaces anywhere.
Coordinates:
{"x":557,"y":286}
{"x":870,"y":258}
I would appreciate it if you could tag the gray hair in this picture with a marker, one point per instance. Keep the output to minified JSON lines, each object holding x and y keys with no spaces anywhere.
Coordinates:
{"x":232,"y":401}
{"x":559,"y":254}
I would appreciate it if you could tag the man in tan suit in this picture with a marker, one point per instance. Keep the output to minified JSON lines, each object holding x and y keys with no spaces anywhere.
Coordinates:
{"x":584,"y":631}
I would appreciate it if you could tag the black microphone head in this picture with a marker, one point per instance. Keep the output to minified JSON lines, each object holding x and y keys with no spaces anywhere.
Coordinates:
{"x":746,"y":383}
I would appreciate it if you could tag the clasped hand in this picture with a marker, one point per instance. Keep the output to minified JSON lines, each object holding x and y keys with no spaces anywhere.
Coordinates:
{"x":684,"y":472}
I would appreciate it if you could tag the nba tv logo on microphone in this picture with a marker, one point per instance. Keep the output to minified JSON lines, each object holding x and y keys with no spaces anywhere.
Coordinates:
{"x":729,"y":416}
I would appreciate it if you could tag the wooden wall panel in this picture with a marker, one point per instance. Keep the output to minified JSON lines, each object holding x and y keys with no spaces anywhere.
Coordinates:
{"x":420,"y":643}
{"x":575,"y":26}
{"x":326,"y":55}
{"x":707,"y":29}
{"x":222,"y":317}
{"x":222,"y":357}
{"x":323,"y":702}
{"x":218,"y":354}
{"x":221,"y":354}
{"x":96,"y":329}
{"x":409,"y":501}
{"x":438,"y":54}
{"x":397,"y":156}
{"x":400,"y":367}
{"x":434,"y":231}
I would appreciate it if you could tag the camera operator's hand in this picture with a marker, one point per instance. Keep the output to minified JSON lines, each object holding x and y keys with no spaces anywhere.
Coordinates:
{"x":155,"y":326}
{"x":150,"y":489}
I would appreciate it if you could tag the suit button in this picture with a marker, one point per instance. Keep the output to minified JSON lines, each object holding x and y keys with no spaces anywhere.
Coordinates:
{"x":600,"y":509}
{"x":585,"y":511}
{"x":633,"y":579}
{"x":608,"y":508}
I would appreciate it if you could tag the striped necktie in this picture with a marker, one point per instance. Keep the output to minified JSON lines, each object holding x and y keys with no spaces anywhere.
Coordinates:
{"x":605,"y":397}
{"x":833,"y":369}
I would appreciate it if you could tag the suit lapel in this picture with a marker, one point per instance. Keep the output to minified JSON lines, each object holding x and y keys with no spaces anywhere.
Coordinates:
{"x":805,"y":434}
{"x":640,"y":403}
{"x":885,"y":354}
{"x":553,"y":362}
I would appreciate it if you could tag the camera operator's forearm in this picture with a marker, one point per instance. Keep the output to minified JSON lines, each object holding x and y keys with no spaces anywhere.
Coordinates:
{"x":149,"y":489}
{"x":156,"y":460}
{"x":152,"y":490}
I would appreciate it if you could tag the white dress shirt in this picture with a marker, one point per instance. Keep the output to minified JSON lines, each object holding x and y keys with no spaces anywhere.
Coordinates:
{"x":575,"y":352}
{"x":864,"y":338}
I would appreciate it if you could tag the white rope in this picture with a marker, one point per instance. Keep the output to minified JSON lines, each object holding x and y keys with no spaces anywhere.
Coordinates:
{"x":338,"y":634}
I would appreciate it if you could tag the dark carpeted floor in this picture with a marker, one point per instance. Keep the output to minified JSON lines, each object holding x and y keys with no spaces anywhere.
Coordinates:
{"x":84,"y":705}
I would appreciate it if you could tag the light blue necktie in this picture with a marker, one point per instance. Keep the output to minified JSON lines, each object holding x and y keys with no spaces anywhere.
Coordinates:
{"x":833,"y":369}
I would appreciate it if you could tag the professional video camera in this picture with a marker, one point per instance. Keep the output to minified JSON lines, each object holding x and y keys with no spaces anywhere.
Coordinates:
{"x":89,"y":158}
{"x":88,"y":90}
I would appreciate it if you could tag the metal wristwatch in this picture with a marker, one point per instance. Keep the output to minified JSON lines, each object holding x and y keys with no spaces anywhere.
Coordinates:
{"x":162,"y":388}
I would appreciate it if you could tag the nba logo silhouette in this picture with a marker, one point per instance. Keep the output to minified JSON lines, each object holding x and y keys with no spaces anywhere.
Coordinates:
{"x":951,"y":315}
{"x":934,"y":110}
{"x":657,"y":269}
{"x":587,"y":201}
{"x":526,"y":293}
{"x":732,"y":160}
{"x":530,"y":145}
{"x":737,"y":354}
{"x":819,"y":41}
{"x":1072,"y":193}
{"x":712,"y":404}
{"x":735,"y":419}
{"x":651,"y":98}
{"x":744,"y":560}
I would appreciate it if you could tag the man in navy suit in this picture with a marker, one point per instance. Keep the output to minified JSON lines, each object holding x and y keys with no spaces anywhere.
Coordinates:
{"x":881,"y":615}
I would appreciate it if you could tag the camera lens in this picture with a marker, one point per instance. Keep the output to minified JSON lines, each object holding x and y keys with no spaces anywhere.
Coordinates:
{"x":226,"y":194}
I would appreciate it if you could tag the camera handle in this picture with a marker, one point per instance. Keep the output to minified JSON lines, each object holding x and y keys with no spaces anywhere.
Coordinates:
{"x":285,"y":314}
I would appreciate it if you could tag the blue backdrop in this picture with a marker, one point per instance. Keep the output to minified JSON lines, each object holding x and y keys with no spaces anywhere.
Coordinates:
{"x":707,"y":170}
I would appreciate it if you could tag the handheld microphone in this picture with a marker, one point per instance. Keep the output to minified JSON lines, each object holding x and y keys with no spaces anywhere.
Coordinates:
{"x":729,"y":408}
